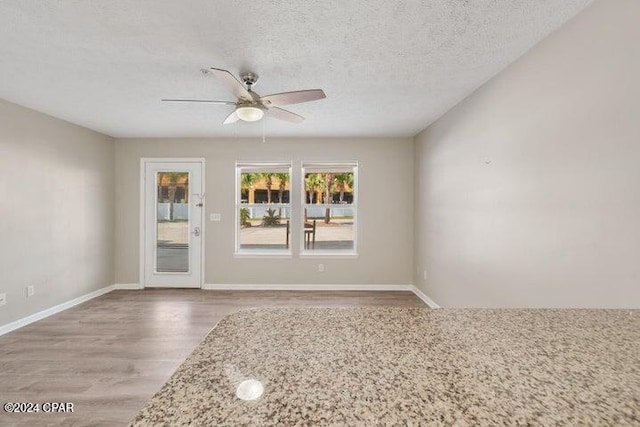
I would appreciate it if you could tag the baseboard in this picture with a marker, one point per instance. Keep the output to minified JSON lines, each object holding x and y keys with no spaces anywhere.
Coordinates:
{"x":305,"y":287}
{"x":431,"y":303}
{"x":127,"y":286}
{"x":238,"y":287}
{"x":320,"y":287}
{"x":53,"y":310}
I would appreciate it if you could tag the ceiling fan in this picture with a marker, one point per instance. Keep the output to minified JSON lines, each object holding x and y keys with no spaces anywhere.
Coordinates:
{"x":250,"y":106}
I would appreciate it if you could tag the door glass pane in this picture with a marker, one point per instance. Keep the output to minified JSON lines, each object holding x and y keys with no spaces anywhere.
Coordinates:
{"x":172,"y":245}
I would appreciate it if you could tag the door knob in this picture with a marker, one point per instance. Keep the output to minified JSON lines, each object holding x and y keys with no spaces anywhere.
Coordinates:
{"x":196,"y":231}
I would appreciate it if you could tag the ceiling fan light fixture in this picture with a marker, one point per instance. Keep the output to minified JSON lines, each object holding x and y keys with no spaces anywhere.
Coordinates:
{"x":249,"y":114}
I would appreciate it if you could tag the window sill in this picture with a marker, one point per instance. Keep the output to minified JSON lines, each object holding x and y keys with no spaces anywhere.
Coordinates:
{"x":276,"y":255}
{"x":334,"y":255}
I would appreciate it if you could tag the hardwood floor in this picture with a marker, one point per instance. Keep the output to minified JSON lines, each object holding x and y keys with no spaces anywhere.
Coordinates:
{"x":110,"y":355}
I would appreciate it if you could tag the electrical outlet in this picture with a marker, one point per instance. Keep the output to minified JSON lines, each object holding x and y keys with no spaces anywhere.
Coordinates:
{"x":215,"y":217}
{"x":3,"y":299}
{"x":424,"y":274}
{"x":321,"y":268}
{"x":30,"y":291}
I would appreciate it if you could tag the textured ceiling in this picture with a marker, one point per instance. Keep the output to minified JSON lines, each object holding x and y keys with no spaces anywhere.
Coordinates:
{"x":388,"y":68}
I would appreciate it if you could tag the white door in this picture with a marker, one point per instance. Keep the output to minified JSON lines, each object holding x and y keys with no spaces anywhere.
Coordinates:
{"x":172,"y":222}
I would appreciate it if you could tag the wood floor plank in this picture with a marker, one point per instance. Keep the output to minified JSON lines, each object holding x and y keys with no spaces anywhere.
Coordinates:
{"x":111,"y":354}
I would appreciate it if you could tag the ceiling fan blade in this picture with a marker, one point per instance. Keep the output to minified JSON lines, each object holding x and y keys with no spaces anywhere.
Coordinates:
{"x":295,"y":97}
{"x":200,"y":100}
{"x":231,"y":83}
{"x":279,"y":113}
{"x":231,"y":118}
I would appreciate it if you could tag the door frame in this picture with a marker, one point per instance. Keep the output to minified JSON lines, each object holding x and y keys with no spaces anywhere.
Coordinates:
{"x":142,"y":209}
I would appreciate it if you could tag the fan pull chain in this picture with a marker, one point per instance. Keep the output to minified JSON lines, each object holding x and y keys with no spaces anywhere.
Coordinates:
{"x":264,"y":126}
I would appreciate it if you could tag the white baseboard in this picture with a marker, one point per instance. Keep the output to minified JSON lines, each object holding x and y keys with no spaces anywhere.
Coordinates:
{"x":431,"y":303}
{"x":320,"y":287}
{"x":53,"y":310}
{"x":304,"y":287}
{"x":226,"y":287}
{"x":127,"y":286}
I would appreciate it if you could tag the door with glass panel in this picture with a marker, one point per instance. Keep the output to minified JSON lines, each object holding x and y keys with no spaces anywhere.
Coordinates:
{"x":173,"y":235}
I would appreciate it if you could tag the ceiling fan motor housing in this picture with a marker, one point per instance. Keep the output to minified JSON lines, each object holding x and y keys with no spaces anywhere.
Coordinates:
{"x":249,"y":78}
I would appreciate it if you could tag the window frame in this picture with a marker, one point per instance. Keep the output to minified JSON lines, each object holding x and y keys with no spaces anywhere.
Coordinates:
{"x":262,"y":166}
{"x":332,"y":166}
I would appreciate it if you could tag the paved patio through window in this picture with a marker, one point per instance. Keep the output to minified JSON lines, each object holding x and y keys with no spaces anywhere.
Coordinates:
{"x":333,"y":236}
{"x":173,"y":247}
{"x":173,"y":241}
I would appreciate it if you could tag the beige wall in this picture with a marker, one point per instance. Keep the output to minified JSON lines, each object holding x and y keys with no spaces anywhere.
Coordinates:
{"x":528,"y":192}
{"x":56,"y":210}
{"x":385,"y":208}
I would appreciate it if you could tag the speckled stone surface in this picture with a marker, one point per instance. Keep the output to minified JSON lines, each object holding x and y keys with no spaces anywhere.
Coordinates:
{"x":403,"y":366}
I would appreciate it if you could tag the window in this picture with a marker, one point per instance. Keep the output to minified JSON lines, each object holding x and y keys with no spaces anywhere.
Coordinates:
{"x":329,"y":208}
{"x":263,"y":208}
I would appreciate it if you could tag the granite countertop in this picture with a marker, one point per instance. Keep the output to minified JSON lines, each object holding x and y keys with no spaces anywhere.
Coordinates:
{"x":408,"y":366}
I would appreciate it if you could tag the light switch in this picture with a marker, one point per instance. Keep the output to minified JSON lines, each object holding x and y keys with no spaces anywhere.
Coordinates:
{"x":215,"y":217}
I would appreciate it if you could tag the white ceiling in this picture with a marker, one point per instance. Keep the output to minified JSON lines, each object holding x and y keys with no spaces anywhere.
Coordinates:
{"x":388,"y":68}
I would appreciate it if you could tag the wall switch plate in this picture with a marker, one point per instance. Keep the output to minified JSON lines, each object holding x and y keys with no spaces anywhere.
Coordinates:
{"x":31,"y":291}
{"x":3,"y":299}
{"x":215,"y":217}
{"x":320,"y":268}
{"x":424,"y":274}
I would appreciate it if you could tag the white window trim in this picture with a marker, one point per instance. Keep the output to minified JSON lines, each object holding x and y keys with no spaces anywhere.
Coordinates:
{"x":247,"y":253}
{"x":328,"y":255}
{"x":330,"y":167}
{"x":260,"y":166}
